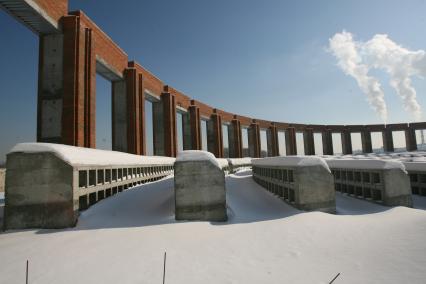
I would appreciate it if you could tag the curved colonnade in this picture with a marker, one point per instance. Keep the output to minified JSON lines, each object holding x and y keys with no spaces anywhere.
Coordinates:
{"x":73,"y":49}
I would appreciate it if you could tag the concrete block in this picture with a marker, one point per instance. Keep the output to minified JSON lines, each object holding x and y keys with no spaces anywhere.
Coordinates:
{"x":382,"y":181}
{"x":304,"y":182}
{"x":200,"y":192}
{"x":39,"y":192}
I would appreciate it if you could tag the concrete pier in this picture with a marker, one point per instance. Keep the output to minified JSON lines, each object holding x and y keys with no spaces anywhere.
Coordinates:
{"x":200,"y":192}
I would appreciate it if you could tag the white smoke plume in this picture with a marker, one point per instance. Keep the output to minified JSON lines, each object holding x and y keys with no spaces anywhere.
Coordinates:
{"x":357,"y":58}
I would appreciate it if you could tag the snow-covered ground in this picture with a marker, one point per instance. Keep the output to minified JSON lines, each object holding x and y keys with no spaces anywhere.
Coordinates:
{"x":122,"y":239}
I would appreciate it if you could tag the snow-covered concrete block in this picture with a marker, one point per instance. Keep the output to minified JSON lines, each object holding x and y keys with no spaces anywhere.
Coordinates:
{"x":47,"y":184}
{"x":304,"y":182}
{"x":200,"y":192}
{"x":381,"y":181}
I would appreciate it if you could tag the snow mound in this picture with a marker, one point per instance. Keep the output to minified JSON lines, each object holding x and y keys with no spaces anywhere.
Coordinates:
{"x":122,"y":239}
{"x":292,"y":161}
{"x":79,"y":156}
{"x":198,"y":155}
{"x":239,"y":161}
{"x":366,"y":163}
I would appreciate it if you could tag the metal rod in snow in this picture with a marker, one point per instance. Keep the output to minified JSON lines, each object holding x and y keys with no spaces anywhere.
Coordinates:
{"x":335,"y":278}
{"x":164,"y":268}
{"x":26,"y":274}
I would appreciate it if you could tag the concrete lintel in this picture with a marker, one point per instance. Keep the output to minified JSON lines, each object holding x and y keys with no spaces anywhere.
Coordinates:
{"x":150,"y":96}
{"x":107,"y":71}
{"x":30,"y":14}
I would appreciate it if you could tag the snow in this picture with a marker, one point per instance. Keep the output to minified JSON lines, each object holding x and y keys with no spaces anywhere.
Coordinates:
{"x":122,"y":239}
{"x":239,"y":161}
{"x":292,"y":161}
{"x":198,"y":155}
{"x":78,"y":156}
{"x":368,"y":164}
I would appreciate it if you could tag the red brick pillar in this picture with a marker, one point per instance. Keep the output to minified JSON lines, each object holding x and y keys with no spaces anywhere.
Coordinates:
{"x":79,"y":73}
{"x":254,"y":140}
{"x":346,"y":142}
{"x":195,"y":125}
{"x":272,"y":141}
{"x":290,"y":139}
{"x":410,"y":139}
{"x":367,"y":146}
{"x":169,"y":107}
{"x":235,"y":139}
{"x":327,"y":142}
{"x":387,"y":140}
{"x":214,"y":135}
{"x":135,"y":112}
{"x":308,"y":141}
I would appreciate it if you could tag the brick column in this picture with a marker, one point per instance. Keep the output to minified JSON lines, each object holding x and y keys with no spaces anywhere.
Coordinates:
{"x":410,"y":139}
{"x":195,"y":125}
{"x":135,"y":112}
{"x":308,"y":141}
{"x":367,"y":146}
{"x":214,"y":135}
{"x":254,"y":140}
{"x":346,"y":142}
{"x":170,"y":134}
{"x":327,"y":142}
{"x":387,"y":140}
{"x":235,"y":139}
{"x":272,"y":141}
{"x":290,"y":140}
{"x":66,"y":89}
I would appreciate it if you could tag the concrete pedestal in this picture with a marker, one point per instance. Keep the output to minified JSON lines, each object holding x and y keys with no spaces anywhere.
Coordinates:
{"x":199,"y":190}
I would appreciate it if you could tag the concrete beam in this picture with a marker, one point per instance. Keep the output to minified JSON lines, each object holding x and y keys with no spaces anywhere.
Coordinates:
{"x":35,"y":16}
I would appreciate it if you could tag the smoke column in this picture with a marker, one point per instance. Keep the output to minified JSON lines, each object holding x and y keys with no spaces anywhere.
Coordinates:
{"x":380,"y":52}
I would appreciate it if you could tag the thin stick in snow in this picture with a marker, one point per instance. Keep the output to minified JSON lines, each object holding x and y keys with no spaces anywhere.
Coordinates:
{"x":164,"y":268}
{"x":26,"y":274}
{"x":335,"y":278}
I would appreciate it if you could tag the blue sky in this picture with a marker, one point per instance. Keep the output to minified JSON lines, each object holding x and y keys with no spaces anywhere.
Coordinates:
{"x":265,"y":59}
